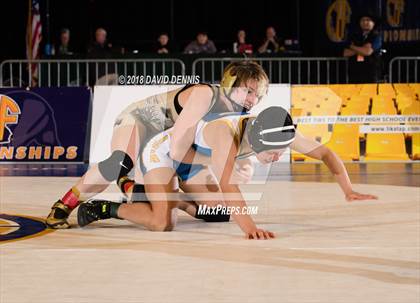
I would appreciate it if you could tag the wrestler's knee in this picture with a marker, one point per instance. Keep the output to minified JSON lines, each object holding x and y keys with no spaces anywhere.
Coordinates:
{"x":164,"y":222}
{"x":162,"y":225}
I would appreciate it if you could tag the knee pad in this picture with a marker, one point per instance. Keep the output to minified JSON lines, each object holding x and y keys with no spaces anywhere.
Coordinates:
{"x":116,"y":166}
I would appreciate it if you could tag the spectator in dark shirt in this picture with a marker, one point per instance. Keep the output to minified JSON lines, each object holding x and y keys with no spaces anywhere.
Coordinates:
{"x":272,"y":43}
{"x":364,"y":52}
{"x":100,"y":48}
{"x":63,"y":48}
{"x":202,"y":45}
{"x":162,"y":46}
{"x":101,"y":73}
{"x":240,"y":46}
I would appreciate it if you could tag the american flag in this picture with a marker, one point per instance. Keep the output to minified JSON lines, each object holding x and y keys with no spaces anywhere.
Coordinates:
{"x":33,"y":35}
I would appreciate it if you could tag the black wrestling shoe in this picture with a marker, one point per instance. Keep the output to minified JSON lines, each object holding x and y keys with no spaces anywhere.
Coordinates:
{"x":92,"y":211}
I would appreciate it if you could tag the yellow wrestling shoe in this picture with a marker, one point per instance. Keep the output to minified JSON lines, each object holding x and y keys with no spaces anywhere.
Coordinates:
{"x":57,"y":219}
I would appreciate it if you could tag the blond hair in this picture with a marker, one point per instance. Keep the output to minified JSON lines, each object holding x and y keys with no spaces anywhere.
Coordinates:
{"x":239,"y":72}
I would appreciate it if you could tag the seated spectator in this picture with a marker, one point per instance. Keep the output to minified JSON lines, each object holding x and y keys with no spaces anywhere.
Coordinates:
{"x":100,"y":48}
{"x":240,"y":46}
{"x":101,"y":73}
{"x":162,"y":46}
{"x":202,"y":45}
{"x":363,"y":51}
{"x":272,"y":43}
{"x":63,"y":48}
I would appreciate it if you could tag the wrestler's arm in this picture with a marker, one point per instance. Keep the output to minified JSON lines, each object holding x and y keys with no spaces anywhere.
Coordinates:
{"x":320,"y":152}
{"x":242,"y":174}
{"x":224,"y":150}
{"x":194,"y":157}
{"x":244,"y":170}
{"x":183,"y":134}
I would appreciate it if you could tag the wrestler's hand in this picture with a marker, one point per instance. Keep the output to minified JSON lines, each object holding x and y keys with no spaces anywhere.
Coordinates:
{"x":352,"y":196}
{"x":259,"y":234}
{"x":243,"y":173}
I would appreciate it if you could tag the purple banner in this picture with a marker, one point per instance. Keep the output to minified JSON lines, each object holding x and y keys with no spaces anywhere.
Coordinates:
{"x":44,"y":124}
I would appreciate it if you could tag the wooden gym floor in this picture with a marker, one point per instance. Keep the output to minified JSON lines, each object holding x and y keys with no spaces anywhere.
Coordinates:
{"x":326,"y":250}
